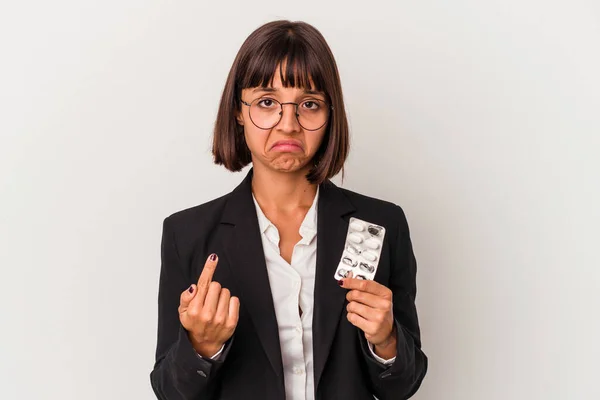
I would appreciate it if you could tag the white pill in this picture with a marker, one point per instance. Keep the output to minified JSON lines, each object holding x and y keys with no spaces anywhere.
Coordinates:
{"x":372,"y":243}
{"x":353,"y":250}
{"x":369,"y":256}
{"x":353,"y":237}
{"x":357,"y":226}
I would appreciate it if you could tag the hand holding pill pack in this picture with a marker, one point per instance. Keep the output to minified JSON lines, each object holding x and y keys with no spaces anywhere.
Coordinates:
{"x":361,"y":250}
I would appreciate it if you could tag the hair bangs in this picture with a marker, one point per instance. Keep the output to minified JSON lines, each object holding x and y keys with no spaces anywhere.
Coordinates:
{"x":293,"y":60}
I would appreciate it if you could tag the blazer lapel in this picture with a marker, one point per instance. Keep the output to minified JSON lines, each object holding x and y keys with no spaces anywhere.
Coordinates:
{"x":247,"y":263}
{"x":329,"y":297}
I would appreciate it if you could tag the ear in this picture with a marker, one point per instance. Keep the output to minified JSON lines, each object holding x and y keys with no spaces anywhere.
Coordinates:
{"x":239,"y":118}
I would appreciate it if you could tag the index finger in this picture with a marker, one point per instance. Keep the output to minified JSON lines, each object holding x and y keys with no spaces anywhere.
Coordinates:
{"x":366,"y":286}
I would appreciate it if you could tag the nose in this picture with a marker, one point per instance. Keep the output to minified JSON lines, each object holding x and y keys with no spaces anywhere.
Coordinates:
{"x":289,"y":119}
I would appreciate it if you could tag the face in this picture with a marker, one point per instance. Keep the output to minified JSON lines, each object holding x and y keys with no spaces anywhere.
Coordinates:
{"x":286,"y":147}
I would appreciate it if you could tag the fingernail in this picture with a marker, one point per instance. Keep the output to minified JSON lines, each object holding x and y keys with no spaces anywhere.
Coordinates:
{"x":191,"y":289}
{"x":213,"y":257}
{"x":341,"y":282}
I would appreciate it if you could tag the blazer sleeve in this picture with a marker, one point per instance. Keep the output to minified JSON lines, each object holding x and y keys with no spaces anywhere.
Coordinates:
{"x":403,"y":378}
{"x":179,"y":372}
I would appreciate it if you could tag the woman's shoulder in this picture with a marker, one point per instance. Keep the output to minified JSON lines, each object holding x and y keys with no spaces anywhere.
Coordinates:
{"x":200,"y":214}
{"x":362,"y":201}
{"x":376,"y":209}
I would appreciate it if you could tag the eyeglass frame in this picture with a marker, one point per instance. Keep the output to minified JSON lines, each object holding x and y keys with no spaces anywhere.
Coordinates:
{"x":281,"y":113}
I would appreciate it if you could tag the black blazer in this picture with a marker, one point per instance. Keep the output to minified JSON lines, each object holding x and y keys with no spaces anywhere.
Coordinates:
{"x":250,"y":366}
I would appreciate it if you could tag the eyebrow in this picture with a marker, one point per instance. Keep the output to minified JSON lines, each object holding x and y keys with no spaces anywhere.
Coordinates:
{"x":275,"y":90}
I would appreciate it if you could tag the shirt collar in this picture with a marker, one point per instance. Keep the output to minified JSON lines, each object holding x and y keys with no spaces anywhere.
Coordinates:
{"x":308,"y":227}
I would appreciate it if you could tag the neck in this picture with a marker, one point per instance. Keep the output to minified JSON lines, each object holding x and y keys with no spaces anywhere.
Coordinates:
{"x":282,"y":190}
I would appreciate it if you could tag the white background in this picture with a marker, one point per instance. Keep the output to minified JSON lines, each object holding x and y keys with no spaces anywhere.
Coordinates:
{"x":480,"y":118}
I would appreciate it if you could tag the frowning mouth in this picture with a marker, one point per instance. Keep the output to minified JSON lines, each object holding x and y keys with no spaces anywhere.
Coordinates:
{"x":287,"y":146}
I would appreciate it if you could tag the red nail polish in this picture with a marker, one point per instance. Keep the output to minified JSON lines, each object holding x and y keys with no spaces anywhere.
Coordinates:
{"x":191,"y":289}
{"x":341,"y":282}
{"x":213,"y":257}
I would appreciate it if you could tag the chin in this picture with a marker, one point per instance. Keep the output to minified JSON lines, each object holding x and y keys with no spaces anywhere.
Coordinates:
{"x":288,"y":165}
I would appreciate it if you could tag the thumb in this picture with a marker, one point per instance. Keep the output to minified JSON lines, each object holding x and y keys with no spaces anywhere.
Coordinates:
{"x":187,"y":296}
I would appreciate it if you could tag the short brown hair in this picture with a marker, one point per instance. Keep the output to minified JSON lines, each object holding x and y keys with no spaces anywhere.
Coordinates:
{"x":309,"y":65}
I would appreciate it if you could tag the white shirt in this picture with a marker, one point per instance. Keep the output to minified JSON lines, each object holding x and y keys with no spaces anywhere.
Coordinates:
{"x":293,"y":286}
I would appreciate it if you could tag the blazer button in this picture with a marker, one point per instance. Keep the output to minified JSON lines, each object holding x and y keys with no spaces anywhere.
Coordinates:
{"x":201,"y":373}
{"x":385,"y":375}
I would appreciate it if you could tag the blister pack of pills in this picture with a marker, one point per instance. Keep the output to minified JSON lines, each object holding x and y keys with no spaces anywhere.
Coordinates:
{"x":361,"y":250}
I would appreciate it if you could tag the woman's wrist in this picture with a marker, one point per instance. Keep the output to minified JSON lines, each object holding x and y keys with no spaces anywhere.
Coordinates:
{"x":387,"y":348}
{"x":205,"y":349}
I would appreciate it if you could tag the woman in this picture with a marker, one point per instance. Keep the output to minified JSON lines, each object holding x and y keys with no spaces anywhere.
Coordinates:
{"x":248,"y":304}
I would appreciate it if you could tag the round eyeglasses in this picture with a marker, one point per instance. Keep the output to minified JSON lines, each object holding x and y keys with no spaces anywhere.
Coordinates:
{"x":266,"y":112}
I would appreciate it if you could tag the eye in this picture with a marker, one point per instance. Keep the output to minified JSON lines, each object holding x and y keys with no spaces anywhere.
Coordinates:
{"x":266,"y":103}
{"x":312,"y":105}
